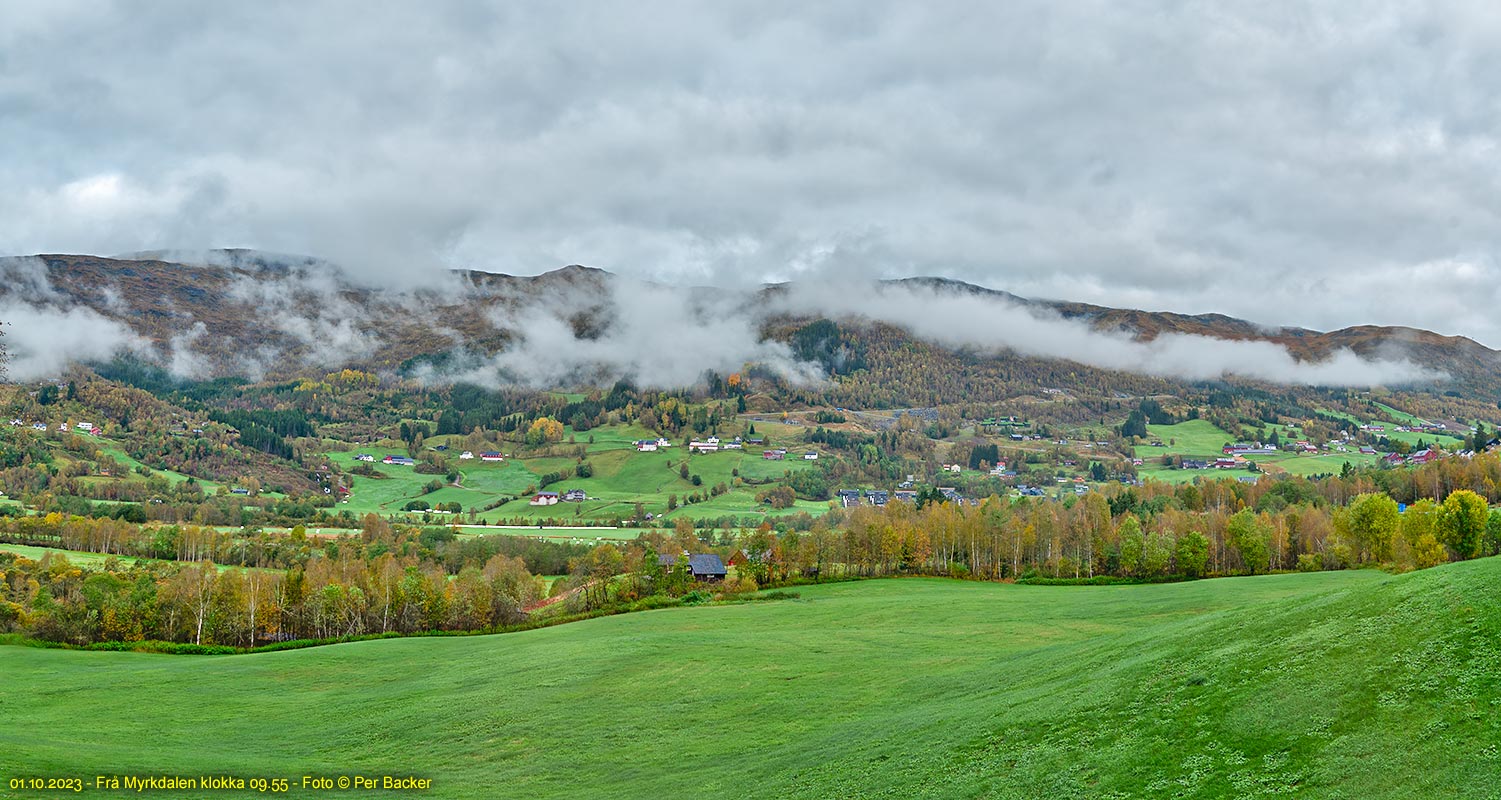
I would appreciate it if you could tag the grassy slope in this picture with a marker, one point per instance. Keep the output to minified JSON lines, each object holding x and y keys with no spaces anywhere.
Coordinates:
{"x":1201,"y":439}
{"x":1353,"y":684}
{"x":622,"y":477}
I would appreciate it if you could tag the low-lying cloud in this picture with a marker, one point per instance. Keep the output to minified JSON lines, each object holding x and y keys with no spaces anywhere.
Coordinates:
{"x":652,"y":335}
{"x":994,"y":324}
{"x":584,"y":328}
{"x":43,"y":340}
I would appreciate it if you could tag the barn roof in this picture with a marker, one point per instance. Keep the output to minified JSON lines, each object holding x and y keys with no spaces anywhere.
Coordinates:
{"x":705,"y":564}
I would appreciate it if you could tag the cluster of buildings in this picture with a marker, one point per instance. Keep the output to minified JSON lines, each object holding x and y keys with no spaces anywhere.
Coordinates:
{"x":852,"y":498}
{"x":553,"y":498}
{"x":489,"y":455}
{"x":62,"y":427}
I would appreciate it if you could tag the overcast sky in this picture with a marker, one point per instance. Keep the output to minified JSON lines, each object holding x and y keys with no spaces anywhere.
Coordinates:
{"x":1293,"y":163}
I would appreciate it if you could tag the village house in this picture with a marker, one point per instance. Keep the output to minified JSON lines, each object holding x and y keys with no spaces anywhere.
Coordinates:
{"x":1193,"y":463}
{"x":545,"y":499}
{"x":575,"y":496}
{"x":849,"y":498}
{"x":466,"y":455}
{"x":810,"y":456}
{"x":1423,"y":456}
{"x":905,"y":496}
{"x":878,"y":497}
{"x":1246,"y":448}
{"x":87,"y":427}
{"x":363,"y":457}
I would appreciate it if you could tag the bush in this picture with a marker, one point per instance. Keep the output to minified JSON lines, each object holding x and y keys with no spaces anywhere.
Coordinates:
{"x":1310,"y":562}
{"x":741,"y":584}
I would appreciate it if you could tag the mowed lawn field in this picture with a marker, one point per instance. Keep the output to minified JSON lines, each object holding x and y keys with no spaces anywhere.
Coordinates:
{"x":1343,"y":684}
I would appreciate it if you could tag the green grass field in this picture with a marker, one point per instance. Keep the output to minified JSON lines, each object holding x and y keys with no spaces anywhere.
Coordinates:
{"x":1202,"y":439}
{"x":84,"y":558}
{"x":78,"y":557}
{"x":1345,"y":684}
{"x":621,"y":478}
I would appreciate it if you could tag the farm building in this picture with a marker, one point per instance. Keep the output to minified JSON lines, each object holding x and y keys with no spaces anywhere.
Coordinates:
{"x":1423,"y":456}
{"x":773,"y":455}
{"x":545,"y":499}
{"x":810,"y":456}
{"x":710,"y":446}
{"x":398,"y":460}
{"x":466,"y":455}
{"x":646,"y":446}
{"x":491,"y":456}
{"x":706,"y":567}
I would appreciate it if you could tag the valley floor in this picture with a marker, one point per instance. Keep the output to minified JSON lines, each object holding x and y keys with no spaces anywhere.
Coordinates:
{"x":1336,"y":684}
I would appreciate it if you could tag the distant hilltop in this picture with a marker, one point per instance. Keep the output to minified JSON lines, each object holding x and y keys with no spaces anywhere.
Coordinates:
{"x":247,"y":313}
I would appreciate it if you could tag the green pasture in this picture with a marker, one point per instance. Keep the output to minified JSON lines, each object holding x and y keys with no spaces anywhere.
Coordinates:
{"x":1326,"y":685}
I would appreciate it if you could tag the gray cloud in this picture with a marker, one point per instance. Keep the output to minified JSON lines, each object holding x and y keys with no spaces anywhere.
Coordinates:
{"x":42,"y":340}
{"x":1288,"y":162}
{"x":996,"y":325}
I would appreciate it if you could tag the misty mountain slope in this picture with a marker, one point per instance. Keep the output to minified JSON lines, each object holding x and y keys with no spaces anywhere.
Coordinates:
{"x":252,"y":314}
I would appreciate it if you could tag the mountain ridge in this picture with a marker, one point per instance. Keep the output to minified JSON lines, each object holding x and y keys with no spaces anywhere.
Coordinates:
{"x":282,"y":313}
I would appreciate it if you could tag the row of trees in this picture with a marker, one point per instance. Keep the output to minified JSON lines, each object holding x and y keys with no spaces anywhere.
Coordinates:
{"x":1088,"y":538}
{"x":199,"y":603}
